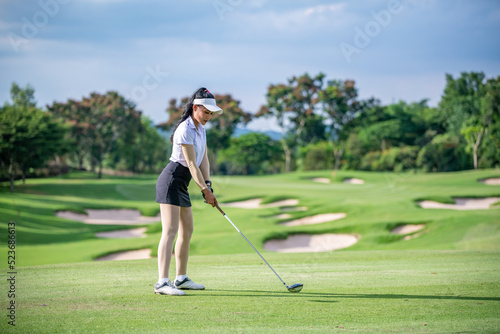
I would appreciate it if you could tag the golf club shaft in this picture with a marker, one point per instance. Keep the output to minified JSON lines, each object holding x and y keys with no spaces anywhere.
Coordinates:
{"x":255,"y":249}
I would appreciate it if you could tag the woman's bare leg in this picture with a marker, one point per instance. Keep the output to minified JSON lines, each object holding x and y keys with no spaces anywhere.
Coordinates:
{"x":183,"y":240}
{"x":170,"y":216}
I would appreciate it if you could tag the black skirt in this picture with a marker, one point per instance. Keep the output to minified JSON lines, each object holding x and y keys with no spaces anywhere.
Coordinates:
{"x":172,"y":185}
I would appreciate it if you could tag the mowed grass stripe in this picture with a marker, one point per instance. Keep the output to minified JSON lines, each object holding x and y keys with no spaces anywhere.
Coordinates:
{"x":360,"y":291}
{"x":385,"y":200}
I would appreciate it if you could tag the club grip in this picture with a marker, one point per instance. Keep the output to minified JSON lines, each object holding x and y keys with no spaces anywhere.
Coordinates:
{"x":220,"y":210}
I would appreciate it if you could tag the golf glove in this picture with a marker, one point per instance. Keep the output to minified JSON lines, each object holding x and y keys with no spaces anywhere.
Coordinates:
{"x":209,"y":186}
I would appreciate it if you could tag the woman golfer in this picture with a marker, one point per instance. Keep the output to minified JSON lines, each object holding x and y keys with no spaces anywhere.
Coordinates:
{"x":188,"y":160}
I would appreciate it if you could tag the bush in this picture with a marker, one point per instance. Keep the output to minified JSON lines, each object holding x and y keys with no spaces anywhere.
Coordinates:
{"x":443,"y":154}
{"x":394,"y":159}
{"x":252,"y":153}
{"x":317,"y":156}
{"x":354,"y":152}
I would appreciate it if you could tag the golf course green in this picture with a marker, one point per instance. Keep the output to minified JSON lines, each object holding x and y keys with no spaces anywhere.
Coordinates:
{"x":443,"y":278}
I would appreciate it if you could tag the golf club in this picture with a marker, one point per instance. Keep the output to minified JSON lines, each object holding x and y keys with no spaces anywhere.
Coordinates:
{"x":292,"y":288}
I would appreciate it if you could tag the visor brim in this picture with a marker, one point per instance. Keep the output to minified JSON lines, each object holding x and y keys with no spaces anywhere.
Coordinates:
{"x":210,"y":104}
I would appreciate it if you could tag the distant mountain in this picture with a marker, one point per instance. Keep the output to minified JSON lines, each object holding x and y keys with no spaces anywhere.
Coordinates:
{"x":165,"y":134}
{"x":275,"y":135}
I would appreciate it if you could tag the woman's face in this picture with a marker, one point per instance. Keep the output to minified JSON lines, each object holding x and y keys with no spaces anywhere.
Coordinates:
{"x":201,"y":114}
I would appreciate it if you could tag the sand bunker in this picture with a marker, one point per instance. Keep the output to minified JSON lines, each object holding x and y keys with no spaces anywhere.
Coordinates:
{"x":462,"y":204}
{"x":321,"y":180}
{"x":407,"y":229}
{"x":354,"y":181}
{"x":255,"y":204}
{"x":248,"y":204}
{"x":283,"y":216}
{"x":109,"y":217}
{"x":491,"y":182}
{"x":305,"y":243}
{"x":140,"y":254}
{"x":318,"y":219}
{"x":123,"y":234}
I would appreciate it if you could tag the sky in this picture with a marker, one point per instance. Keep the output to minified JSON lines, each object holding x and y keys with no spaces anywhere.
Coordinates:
{"x":151,"y":51}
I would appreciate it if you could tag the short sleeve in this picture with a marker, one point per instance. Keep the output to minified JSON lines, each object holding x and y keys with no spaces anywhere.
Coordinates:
{"x":184,"y":135}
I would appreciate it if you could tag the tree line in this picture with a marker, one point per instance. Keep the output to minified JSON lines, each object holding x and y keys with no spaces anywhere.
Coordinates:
{"x":96,"y":132}
{"x":323,"y":123}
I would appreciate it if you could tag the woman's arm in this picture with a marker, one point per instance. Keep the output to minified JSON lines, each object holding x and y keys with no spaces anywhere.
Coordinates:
{"x":205,"y":166}
{"x":190,"y":155}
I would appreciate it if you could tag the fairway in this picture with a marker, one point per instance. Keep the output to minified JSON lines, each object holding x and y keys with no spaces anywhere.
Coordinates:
{"x":372,"y":210}
{"x":442,"y":278}
{"x":363,"y":291}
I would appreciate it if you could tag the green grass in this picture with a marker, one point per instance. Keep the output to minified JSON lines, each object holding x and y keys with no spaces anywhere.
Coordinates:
{"x":351,"y":291}
{"x":446,"y":279}
{"x":385,"y":200}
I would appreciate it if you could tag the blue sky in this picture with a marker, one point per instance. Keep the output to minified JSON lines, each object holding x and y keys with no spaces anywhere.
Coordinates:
{"x":154,"y":50}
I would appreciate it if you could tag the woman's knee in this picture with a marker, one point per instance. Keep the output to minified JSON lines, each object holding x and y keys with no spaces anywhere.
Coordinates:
{"x":186,"y":220}
{"x":187,"y":232}
{"x":169,"y":220}
{"x":170,"y":232}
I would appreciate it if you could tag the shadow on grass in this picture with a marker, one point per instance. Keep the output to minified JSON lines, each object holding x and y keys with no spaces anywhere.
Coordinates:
{"x":276,"y":294}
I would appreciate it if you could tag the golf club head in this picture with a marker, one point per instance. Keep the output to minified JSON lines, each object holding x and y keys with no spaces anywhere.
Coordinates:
{"x":295,"y":287}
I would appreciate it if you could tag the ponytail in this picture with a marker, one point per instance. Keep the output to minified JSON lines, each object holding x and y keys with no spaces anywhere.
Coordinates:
{"x":201,"y":93}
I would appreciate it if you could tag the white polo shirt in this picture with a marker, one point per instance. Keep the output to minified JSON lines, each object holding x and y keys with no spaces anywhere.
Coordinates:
{"x":187,"y":133}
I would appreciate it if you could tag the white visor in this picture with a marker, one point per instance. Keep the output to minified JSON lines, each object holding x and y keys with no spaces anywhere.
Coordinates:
{"x":209,"y":104}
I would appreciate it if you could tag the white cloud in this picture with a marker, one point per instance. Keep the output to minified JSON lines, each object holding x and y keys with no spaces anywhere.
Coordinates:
{"x":258,"y":43}
{"x":298,"y":20}
{"x":320,"y":9}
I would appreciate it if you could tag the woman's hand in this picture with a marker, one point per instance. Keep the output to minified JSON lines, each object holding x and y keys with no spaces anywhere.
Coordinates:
{"x":209,"y":197}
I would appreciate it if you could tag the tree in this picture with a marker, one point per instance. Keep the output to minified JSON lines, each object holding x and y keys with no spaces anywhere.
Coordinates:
{"x":396,"y":125}
{"x":317,"y":156}
{"x":251,"y":153}
{"x":98,"y":122}
{"x":76,"y":115}
{"x":222,"y":127}
{"x":133,"y":144}
{"x":314,"y":130}
{"x":381,"y":135}
{"x":473,"y":134}
{"x":490,"y":108}
{"x":340,"y":103}
{"x":29,"y":137}
{"x":469,"y":103}
{"x":174,"y":111}
{"x":22,"y":98}
{"x":462,"y":99}
{"x":151,"y":147}
{"x":110,"y":116}
{"x":293,"y":105}
{"x":386,"y":136}
{"x":443,"y":154}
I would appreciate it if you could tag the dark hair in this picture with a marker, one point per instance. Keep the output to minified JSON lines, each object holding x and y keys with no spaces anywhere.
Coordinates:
{"x":200,"y":93}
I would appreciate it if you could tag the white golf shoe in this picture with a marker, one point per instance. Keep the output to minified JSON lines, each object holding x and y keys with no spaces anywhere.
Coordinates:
{"x":168,"y":288}
{"x":187,"y":284}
